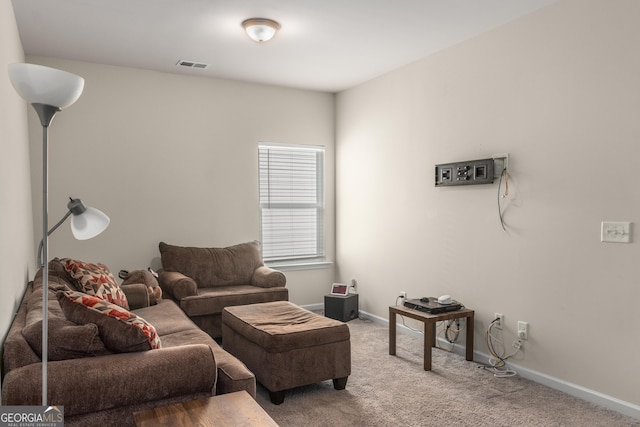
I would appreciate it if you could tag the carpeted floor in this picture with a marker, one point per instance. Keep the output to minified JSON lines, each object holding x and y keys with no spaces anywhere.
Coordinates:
{"x":386,"y":390}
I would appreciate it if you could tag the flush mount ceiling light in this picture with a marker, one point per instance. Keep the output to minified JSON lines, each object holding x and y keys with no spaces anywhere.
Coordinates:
{"x":260,"y":29}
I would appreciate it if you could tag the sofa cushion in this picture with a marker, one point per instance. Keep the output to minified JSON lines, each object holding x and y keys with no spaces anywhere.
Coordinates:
{"x":233,"y":265}
{"x":213,"y":300}
{"x":96,"y":280}
{"x":58,"y":274}
{"x":59,"y":278}
{"x":120,"y":330}
{"x":67,"y":340}
{"x":167,"y":318}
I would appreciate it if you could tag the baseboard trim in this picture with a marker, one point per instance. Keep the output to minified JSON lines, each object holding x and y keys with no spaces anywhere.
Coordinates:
{"x":313,"y":307}
{"x":601,"y":399}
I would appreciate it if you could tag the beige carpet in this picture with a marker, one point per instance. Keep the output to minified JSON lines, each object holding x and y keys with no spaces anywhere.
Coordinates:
{"x":388,"y":390}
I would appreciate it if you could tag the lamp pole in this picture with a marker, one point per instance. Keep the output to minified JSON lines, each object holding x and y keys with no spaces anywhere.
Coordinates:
{"x":46,"y":114}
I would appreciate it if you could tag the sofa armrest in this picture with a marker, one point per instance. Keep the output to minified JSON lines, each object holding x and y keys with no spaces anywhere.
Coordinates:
{"x":93,"y":384}
{"x":177,"y":285}
{"x":267,"y":277}
{"x":137,"y":295}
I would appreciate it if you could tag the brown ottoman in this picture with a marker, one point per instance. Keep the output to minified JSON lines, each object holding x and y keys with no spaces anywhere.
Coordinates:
{"x":286,"y":346}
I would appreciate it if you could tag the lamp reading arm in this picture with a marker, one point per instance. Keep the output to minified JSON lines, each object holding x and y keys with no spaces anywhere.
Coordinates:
{"x":76,"y":207}
{"x":54,"y":228}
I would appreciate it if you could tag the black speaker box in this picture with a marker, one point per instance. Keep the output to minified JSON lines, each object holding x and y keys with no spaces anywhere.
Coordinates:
{"x":341,"y":308}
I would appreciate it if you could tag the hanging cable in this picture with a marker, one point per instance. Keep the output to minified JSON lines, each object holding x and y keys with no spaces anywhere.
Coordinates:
{"x":451,"y":331}
{"x":497,"y":361}
{"x":504,"y":175}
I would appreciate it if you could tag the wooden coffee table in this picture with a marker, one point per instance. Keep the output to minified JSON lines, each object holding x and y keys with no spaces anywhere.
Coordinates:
{"x":232,"y":410}
{"x":429,"y":321}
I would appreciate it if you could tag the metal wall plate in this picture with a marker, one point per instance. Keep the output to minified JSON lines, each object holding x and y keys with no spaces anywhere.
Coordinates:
{"x":469,"y":172}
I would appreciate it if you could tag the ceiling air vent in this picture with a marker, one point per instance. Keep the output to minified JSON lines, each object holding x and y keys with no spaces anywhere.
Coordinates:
{"x":191,"y":64}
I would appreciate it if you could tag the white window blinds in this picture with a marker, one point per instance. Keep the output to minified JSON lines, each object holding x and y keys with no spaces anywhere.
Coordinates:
{"x":291,"y":202}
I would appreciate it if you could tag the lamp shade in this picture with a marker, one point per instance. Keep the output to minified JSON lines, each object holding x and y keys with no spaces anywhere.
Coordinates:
{"x":89,"y":224}
{"x":38,"y":84}
{"x":260,"y":29}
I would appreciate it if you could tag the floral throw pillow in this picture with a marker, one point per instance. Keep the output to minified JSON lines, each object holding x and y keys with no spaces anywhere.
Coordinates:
{"x":120,"y":330}
{"x":96,"y":280}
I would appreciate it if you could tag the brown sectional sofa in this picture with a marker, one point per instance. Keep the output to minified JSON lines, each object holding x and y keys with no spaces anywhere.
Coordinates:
{"x":203,"y":281}
{"x":97,"y":386}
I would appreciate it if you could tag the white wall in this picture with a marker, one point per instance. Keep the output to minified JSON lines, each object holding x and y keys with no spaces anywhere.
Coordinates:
{"x":174,"y":158}
{"x":16,"y":233}
{"x":560,"y":91}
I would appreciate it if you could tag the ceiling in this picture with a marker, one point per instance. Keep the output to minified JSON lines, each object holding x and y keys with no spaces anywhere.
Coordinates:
{"x":324,"y":45}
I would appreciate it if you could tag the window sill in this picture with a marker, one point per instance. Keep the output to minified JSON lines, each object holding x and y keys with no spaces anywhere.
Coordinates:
{"x":300,"y":266}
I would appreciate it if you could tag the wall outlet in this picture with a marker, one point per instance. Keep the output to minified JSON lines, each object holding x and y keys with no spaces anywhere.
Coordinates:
{"x":523,"y":330}
{"x":498,"y":323}
{"x":403,"y":294}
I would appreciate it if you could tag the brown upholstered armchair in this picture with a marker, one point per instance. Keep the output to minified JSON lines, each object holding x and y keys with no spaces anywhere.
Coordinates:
{"x":205,"y":280}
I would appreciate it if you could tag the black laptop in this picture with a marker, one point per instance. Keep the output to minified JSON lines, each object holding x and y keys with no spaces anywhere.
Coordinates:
{"x":431,"y":305}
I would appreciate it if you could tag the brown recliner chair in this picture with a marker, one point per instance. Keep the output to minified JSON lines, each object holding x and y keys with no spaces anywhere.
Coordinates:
{"x":205,"y":280}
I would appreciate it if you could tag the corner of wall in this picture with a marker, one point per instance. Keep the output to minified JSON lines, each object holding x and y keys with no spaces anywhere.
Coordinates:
{"x":16,"y":227}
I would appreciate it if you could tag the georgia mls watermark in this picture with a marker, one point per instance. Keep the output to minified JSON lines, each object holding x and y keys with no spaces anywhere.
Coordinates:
{"x":31,"y":416}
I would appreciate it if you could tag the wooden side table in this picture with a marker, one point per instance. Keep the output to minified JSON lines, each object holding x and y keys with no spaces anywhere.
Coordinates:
{"x":225,"y":410}
{"x":429,"y":321}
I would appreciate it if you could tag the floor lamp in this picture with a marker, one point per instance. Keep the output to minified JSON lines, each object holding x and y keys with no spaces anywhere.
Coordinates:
{"x":48,"y":91}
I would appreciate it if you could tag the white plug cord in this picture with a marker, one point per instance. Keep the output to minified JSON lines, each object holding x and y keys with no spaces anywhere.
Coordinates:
{"x":420,"y":331}
{"x":399,"y":301}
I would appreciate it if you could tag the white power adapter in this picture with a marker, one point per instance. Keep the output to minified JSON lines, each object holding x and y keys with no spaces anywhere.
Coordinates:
{"x":402,"y":297}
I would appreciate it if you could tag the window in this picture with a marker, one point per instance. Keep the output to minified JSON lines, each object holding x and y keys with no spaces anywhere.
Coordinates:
{"x":291,"y":203}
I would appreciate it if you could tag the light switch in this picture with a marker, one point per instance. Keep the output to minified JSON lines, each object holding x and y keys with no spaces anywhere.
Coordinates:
{"x":615,"y":231}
